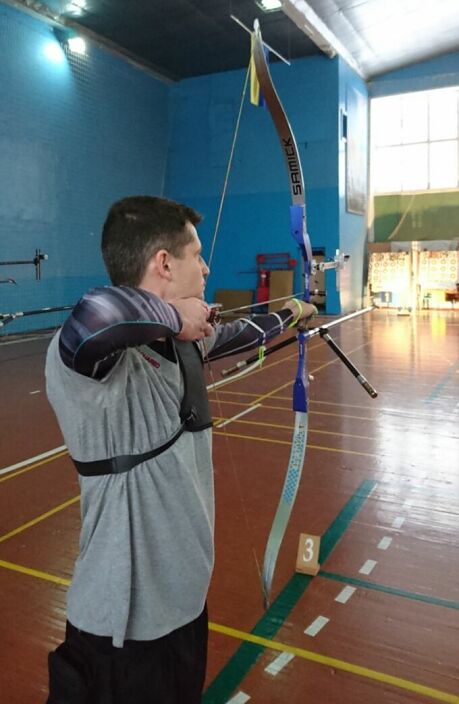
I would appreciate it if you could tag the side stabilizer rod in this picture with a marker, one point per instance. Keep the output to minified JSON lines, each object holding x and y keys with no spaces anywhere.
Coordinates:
{"x":325,"y":335}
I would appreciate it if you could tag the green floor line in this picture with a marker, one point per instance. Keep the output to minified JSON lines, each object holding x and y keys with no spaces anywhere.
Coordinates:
{"x":247,"y":654}
{"x":444,"y":381}
{"x":394,"y":591}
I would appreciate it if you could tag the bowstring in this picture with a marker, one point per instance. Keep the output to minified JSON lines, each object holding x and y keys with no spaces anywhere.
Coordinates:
{"x":228,"y":170}
{"x":206,"y":357}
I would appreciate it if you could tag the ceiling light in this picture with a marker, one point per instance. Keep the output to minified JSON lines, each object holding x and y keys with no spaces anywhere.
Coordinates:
{"x":77,"y":45}
{"x":70,"y":40}
{"x":76,"y":6}
{"x":54,"y":52}
{"x":269,"y":5}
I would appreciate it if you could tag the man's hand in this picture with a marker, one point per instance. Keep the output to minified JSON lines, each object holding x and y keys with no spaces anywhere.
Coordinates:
{"x":194,"y":314}
{"x":302,"y":311}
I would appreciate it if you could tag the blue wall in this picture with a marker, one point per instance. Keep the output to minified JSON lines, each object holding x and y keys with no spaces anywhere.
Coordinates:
{"x":352,"y":226}
{"x":79,"y":133}
{"x":441,"y":72}
{"x":256,"y":211}
{"x":75,"y":135}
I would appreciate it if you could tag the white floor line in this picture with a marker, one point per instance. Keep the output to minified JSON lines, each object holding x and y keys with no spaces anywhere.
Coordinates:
{"x":233,"y":377}
{"x":44,"y":455}
{"x":368,"y":567}
{"x":26,"y":339}
{"x":279,"y":663}
{"x":35,"y":392}
{"x":345,"y":594}
{"x":398,"y":522}
{"x":384,"y":543}
{"x":316,"y":626}
{"x":239,"y":415}
{"x":31,"y":460}
{"x":239,"y":698}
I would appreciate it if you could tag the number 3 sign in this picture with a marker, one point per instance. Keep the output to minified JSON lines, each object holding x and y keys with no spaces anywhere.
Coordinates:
{"x":307,"y":560}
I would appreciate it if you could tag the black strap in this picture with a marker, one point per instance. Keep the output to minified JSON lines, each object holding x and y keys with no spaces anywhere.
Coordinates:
{"x":195,"y":407}
{"x":122,"y":463}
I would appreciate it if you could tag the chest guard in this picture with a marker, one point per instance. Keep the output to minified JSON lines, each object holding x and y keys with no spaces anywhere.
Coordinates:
{"x":195,"y":409}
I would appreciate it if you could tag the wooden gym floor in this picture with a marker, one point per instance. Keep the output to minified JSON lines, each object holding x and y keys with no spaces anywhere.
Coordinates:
{"x":380,"y":485}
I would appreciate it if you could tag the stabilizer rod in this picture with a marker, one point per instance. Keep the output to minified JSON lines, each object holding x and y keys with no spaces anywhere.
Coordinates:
{"x":352,"y":368}
{"x":323,"y":332}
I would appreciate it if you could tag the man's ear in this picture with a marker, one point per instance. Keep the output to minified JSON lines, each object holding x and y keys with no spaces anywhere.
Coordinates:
{"x":161,"y":262}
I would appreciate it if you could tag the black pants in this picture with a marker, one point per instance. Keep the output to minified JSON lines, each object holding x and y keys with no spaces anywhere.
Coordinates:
{"x":87,"y":669}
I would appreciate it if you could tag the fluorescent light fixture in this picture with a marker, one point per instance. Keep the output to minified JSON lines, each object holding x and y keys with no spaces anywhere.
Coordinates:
{"x":269,"y":5}
{"x":310,"y":23}
{"x":77,"y":45}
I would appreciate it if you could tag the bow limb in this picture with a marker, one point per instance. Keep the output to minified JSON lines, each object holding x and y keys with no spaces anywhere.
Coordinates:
{"x":300,"y":389}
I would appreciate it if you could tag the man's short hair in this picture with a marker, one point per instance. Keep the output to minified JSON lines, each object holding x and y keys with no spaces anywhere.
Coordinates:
{"x":139,"y":226}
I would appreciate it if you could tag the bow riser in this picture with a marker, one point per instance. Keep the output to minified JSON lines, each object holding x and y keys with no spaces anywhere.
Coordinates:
{"x":301,"y":385}
{"x":300,"y":235}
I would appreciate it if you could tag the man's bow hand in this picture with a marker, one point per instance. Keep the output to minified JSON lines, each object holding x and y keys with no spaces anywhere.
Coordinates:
{"x":302,"y":312}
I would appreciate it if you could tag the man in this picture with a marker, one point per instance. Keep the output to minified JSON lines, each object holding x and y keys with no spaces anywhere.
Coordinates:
{"x":125,"y":379}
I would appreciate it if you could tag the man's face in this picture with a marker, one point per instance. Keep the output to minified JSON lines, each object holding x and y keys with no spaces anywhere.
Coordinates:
{"x":189,"y":270}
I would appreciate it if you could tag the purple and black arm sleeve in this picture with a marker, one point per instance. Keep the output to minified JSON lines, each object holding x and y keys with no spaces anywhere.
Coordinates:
{"x":110,"y":319}
{"x":247,"y":333}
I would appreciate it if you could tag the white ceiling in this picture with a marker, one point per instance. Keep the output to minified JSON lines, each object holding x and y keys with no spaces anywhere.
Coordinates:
{"x":384,"y":35}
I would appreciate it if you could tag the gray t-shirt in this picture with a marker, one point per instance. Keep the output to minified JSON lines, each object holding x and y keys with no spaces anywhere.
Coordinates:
{"x":146,"y":546}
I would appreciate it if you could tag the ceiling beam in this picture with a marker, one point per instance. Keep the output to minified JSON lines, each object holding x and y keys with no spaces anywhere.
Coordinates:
{"x":310,"y":23}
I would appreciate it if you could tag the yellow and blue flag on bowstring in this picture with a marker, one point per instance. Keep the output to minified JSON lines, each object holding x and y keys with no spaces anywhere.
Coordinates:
{"x":256,"y":96}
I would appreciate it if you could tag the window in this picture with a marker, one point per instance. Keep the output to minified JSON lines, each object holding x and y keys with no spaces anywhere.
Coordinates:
{"x":415,"y":141}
